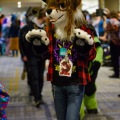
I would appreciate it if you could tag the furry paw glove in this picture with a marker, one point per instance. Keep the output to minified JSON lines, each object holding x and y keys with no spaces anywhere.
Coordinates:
{"x":37,"y":37}
{"x":84,"y":35}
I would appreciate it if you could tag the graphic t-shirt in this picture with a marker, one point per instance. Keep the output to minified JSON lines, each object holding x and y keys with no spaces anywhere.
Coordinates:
{"x":65,"y":63}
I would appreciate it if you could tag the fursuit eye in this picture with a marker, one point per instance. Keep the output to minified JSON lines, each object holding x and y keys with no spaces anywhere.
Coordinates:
{"x":62,"y":6}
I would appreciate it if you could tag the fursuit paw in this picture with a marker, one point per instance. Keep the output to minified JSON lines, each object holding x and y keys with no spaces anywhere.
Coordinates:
{"x":84,"y":35}
{"x":37,"y":37}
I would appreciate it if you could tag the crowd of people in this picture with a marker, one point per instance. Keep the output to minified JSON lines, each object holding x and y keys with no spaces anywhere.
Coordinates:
{"x":107,"y":25}
{"x":34,"y":53}
{"x":9,"y":32}
{"x":110,"y":34}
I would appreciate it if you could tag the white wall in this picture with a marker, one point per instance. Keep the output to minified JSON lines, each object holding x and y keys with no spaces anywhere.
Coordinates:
{"x":112,"y":5}
{"x":7,"y":11}
{"x":90,"y":5}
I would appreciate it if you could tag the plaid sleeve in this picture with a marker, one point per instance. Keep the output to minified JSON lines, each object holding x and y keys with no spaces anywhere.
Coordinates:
{"x":90,"y":53}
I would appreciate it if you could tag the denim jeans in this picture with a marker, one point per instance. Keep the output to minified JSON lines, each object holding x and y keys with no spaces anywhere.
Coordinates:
{"x":68,"y":101}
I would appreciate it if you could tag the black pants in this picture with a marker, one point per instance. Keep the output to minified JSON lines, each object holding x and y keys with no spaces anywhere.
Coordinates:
{"x":35,"y":70}
{"x":90,"y":88}
{"x":115,"y":53}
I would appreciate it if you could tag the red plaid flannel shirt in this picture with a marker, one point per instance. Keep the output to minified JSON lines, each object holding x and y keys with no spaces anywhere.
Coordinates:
{"x":83,"y":73}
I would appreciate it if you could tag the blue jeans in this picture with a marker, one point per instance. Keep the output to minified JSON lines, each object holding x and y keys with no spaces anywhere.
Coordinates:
{"x":68,"y":100}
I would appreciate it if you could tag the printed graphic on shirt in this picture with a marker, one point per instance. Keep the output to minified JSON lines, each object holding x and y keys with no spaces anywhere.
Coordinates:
{"x":60,"y":51}
{"x":71,"y":51}
{"x":66,"y":68}
{"x":57,"y":68}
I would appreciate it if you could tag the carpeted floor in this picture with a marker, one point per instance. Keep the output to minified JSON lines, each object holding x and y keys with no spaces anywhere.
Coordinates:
{"x":21,"y":106}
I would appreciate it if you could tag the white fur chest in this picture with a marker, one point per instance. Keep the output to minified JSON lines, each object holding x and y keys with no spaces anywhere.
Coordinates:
{"x":62,"y":34}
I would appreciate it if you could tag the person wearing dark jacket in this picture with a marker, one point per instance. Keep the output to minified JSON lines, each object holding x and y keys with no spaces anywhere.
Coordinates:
{"x":13,"y":35}
{"x":32,"y":54}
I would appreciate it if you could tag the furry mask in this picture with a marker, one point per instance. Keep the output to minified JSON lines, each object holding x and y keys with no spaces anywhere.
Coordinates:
{"x":65,"y":15}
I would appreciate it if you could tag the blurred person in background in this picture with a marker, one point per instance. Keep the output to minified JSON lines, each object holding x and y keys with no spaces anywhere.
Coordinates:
{"x":119,"y":15}
{"x":113,"y":37}
{"x":88,"y":16}
{"x":1,"y":42}
{"x":7,"y":52}
{"x":89,"y":102}
{"x":13,"y":35}
{"x":31,"y":55}
{"x":4,"y":34}
{"x":1,"y":19}
{"x":103,"y":18}
{"x":100,"y":21}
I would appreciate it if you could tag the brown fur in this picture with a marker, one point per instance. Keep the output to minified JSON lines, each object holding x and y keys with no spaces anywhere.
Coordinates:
{"x":71,"y":7}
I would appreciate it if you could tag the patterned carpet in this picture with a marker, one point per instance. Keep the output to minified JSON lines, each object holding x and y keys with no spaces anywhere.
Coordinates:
{"x":21,"y":106}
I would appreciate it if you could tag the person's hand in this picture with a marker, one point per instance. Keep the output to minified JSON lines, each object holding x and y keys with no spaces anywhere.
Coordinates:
{"x":104,"y":18}
{"x":25,"y":59}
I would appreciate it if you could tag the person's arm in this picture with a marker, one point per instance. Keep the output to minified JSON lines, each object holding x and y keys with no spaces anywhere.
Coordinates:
{"x":9,"y":32}
{"x":21,"y":45}
{"x":104,"y":37}
{"x":104,"y":22}
{"x":39,"y":42}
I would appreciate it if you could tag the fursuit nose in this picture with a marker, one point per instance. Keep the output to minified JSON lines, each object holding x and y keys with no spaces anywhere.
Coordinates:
{"x":49,"y":11}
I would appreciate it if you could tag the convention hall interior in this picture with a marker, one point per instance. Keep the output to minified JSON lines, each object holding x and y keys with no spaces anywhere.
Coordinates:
{"x":25,"y":91}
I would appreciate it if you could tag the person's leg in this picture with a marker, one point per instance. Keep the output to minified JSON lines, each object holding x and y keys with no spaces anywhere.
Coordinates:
{"x":16,"y":52}
{"x":90,"y":100}
{"x":116,"y":65}
{"x":27,"y":68}
{"x":90,"y":88}
{"x":41,"y":68}
{"x":8,"y":47}
{"x":60,"y":102}
{"x":75,"y":95}
{"x":13,"y":53}
{"x":114,"y":59}
{"x":91,"y":104}
{"x":33,"y":73}
{"x":82,"y":111}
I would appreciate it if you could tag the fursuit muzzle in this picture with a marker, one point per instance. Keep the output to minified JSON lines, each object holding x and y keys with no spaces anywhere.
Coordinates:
{"x":58,"y":17}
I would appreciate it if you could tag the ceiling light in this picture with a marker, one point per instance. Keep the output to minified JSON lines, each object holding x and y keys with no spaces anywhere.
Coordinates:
{"x":19,"y":4}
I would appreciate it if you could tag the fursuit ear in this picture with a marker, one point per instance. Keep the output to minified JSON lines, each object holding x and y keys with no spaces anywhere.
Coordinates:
{"x":50,"y":3}
{"x":44,"y":1}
